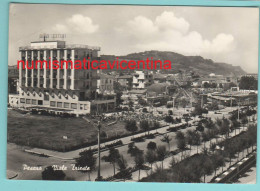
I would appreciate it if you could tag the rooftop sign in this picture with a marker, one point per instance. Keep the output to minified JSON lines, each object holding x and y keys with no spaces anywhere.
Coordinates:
{"x":51,"y":36}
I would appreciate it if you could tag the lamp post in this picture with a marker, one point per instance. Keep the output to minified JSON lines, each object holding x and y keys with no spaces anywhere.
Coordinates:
{"x":99,"y":177}
{"x":98,"y":173}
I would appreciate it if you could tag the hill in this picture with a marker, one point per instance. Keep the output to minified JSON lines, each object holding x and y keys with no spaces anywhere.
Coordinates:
{"x":196,"y":64}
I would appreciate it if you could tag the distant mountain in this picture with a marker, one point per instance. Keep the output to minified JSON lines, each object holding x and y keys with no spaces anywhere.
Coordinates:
{"x":196,"y":64}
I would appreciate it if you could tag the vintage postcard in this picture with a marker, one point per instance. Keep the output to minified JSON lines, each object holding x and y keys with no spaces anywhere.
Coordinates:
{"x":132,"y":93}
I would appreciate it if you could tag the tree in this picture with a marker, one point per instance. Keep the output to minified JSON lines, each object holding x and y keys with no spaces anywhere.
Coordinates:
{"x":50,"y":174}
{"x":142,"y":102}
{"x":235,"y":125}
{"x":130,"y":125}
{"x":156,"y":125}
{"x":145,"y":110}
{"x":229,"y":149}
{"x":217,"y":161}
{"x":189,"y":137}
{"x":161,"y":153}
{"x":170,"y":112}
{"x":205,"y":138}
{"x":207,"y":167}
{"x":200,"y":127}
{"x":168,"y":119}
{"x":118,"y":90}
{"x":150,"y":157}
{"x":112,"y":157}
{"x":248,"y":83}
{"x":139,"y":163}
{"x":196,"y":140}
{"x":181,"y":142}
{"x":124,"y":172}
{"x":151,"y":146}
{"x":86,"y":159}
{"x":118,"y":98}
{"x":130,"y":103}
{"x":133,"y":150}
{"x":166,"y":138}
{"x":224,"y":127}
{"x":172,"y":163}
{"x":144,"y":125}
{"x":103,"y":134}
{"x":244,"y":121}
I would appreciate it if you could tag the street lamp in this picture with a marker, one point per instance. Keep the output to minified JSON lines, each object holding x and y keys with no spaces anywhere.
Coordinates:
{"x":99,"y":177}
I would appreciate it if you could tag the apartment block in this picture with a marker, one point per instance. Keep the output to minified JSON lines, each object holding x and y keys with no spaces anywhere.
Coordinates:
{"x":59,"y":89}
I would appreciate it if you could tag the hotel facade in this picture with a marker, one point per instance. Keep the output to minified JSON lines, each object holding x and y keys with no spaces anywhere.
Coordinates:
{"x":58,"y":90}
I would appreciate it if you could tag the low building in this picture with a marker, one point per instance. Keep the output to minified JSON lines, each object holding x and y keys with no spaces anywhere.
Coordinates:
{"x":142,"y":79}
{"x":126,"y":81}
{"x":105,"y":84}
{"x":13,"y":79}
{"x":159,"y":78}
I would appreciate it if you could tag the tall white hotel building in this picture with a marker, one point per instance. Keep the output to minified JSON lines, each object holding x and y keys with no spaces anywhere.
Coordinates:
{"x":57,"y":90}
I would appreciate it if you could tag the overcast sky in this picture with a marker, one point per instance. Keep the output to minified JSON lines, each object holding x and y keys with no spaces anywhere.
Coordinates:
{"x":223,"y":34}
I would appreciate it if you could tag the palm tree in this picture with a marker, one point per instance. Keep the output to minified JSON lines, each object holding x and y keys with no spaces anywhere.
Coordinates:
{"x":189,"y":137}
{"x":244,"y":121}
{"x":172,"y":162}
{"x":181,"y":142}
{"x":207,"y":167}
{"x":124,"y":172}
{"x":166,"y":138}
{"x":112,"y":157}
{"x":150,"y":157}
{"x":196,"y":139}
{"x":139,"y":163}
{"x":161,"y":153}
{"x":205,"y":138}
{"x":86,"y":159}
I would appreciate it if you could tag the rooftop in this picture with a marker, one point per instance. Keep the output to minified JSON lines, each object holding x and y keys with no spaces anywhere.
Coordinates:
{"x":56,"y":45}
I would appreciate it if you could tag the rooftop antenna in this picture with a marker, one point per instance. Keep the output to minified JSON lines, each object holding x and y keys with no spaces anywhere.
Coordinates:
{"x":44,"y":36}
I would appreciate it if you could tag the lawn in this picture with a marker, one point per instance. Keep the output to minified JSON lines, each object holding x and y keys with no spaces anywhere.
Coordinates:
{"x":48,"y":131}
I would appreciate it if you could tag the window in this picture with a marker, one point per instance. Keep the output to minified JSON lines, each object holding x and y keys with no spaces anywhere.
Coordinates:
{"x":22,"y":100}
{"x":59,"y":104}
{"x":53,"y":103}
{"x":73,"y":106}
{"x":81,"y":106}
{"x":28,"y":101}
{"x":85,"y":107}
{"x":66,"y":95}
{"x":34,"y":102}
{"x":66,"y":105}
